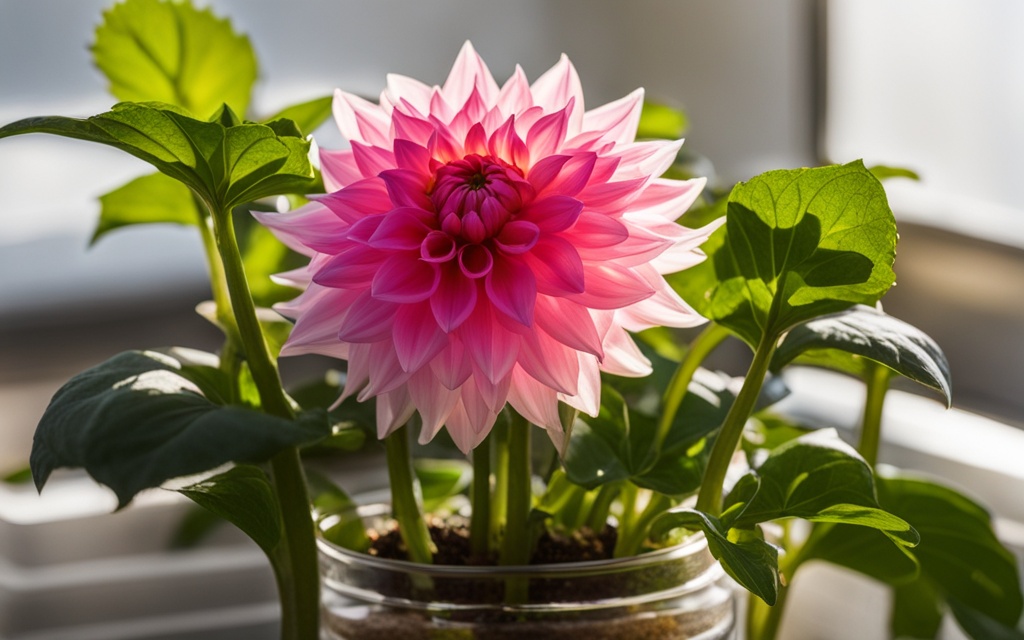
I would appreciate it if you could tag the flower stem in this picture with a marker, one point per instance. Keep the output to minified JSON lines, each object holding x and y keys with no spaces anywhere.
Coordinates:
{"x":404,"y":502}
{"x":513,"y":551}
{"x":702,"y":345}
{"x":499,"y":492}
{"x":630,"y":540}
{"x":871,"y":428}
{"x":480,"y":499}
{"x":600,"y":508}
{"x":299,"y":569}
{"x":709,"y":500}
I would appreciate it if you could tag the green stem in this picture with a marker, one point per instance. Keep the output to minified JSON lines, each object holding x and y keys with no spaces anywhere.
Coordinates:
{"x":871,"y":429}
{"x":709,"y":500}
{"x":602,"y":505}
{"x":499,"y":492}
{"x":300,"y":599}
{"x":480,"y":501}
{"x":404,"y":502}
{"x":629,"y":542}
{"x":702,"y":345}
{"x":518,"y":502}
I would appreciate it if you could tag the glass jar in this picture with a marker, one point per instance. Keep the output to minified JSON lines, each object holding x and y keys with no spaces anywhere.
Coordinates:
{"x":670,"y":594}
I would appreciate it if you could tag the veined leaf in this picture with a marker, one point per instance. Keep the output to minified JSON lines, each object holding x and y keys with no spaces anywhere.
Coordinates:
{"x":839,"y":341}
{"x":155,"y":198}
{"x":144,"y":417}
{"x":243,"y":496}
{"x":797,"y":244}
{"x":225,"y":166}
{"x":156,"y":50}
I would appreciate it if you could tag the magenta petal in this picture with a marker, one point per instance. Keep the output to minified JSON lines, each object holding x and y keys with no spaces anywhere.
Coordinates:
{"x":437,"y":246}
{"x":314,"y":226}
{"x":573,"y":177}
{"x":406,"y":188}
{"x":402,"y":229}
{"x":512,"y":288}
{"x":505,"y":143}
{"x":363,"y":230}
{"x":352,"y":268}
{"x":476,"y":140}
{"x":547,"y":134}
{"x":597,"y":231}
{"x":404,"y":278}
{"x":367,"y":320}
{"x":339,"y":169}
{"x":492,"y":347}
{"x":546,"y":170}
{"x":372,"y":160}
{"x":410,"y":128}
{"x":359,"y":199}
{"x":553,"y":213}
{"x":417,"y":337}
{"x":475,"y":261}
{"x":550,"y":362}
{"x":610,"y":286}
{"x":518,"y":236}
{"x":412,"y":156}
{"x":455,"y":298}
{"x":569,"y":323}
{"x":557,"y":266}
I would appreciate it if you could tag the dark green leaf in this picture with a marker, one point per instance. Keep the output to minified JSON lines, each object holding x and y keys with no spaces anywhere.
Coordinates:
{"x":661,"y":121}
{"x":243,"y":496}
{"x":224,"y":166}
{"x":197,"y":523}
{"x":150,"y":199}
{"x":816,"y":477}
{"x":307,"y":116}
{"x":142,"y":418}
{"x":916,"y":611}
{"x":866,"y":332}
{"x":171,"y":52}
{"x":959,"y":553}
{"x":867,"y":551}
{"x":797,"y":244}
{"x":980,"y":626}
{"x":744,"y":555}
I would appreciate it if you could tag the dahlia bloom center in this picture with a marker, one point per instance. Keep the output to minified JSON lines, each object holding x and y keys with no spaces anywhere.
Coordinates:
{"x":477,"y":200}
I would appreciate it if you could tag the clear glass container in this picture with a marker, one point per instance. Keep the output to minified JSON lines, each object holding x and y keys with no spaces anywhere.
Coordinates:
{"x":671,"y":594}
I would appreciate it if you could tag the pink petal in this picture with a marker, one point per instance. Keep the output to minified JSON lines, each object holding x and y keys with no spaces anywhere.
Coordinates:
{"x":312,"y":226}
{"x":360,"y":120}
{"x":404,"y":278}
{"x":622,"y":357}
{"x":359,"y":199}
{"x":462,"y":430}
{"x":455,"y":298}
{"x":515,"y":94}
{"x":386,"y":372}
{"x":406,"y":188}
{"x":597,"y":231}
{"x":547,"y":134}
{"x":557,"y":266}
{"x":433,"y":401}
{"x":367,"y":320}
{"x":538,"y":404}
{"x":401,"y":87}
{"x":664,"y":308}
{"x":411,"y":128}
{"x":357,"y":374}
{"x":417,"y":337}
{"x":617,"y":120}
{"x":646,"y":159}
{"x":492,"y":347}
{"x":493,"y":394}
{"x":506,"y":144}
{"x":569,"y":323}
{"x":401,"y":229}
{"x":437,"y":246}
{"x":611,"y":197}
{"x":588,"y":395}
{"x":518,"y":236}
{"x":610,"y":286}
{"x":572,"y":179}
{"x":550,"y":362}
{"x":363,"y":230}
{"x":668,"y":198}
{"x":452,"y":366}
{"x":476,"y":140}
{"x":475,"y":261}
{"x":512,"y":288}
{"x":478,"y":410}
{"x":393,"y":410}
{"x":339,"y":169}
{"x":557,"y":87}
{"x":469,"y":72}
{"x":352,"y":268}
{"x":553,"y":213}
{"x":372,"y":160}
{"x":412,"y":156}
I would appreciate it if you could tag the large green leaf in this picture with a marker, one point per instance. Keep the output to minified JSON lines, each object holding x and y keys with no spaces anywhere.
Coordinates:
{"x":841,"y":340}
{"x":797,"y":244}
{"x":816,"y":477}
{"x":225,"y":166}
{"x":155,"y":198}
{"x":961,"y":559}
{"x":144,"y":417}
{"x":244,"y":497}
{"x":156,"y":50}
{"x":619,"y":444}
{"x":744,"y":555}
{"x":307,"y":116}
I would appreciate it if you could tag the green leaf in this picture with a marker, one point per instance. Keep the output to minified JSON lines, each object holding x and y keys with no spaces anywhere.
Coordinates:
{"x":144,"y":417}
{"x":619,"y":443}
{"x":307,"y":116}
{"x":980,"y":626}
{"x":244,"y":497}
{"x":194,"y":527}
{"x":18,"y":476}
{"x":661,"y":121}
{"x":916,"y":611}
{"x":744,"y":555}
{"x":797,"y":244}
{"x":816,"y":477}
{"x":960,"y":556}
{"x":152,"y":50}
{"x":150,"y":199}
{"x":441,"y":480}
{"x":883,"y":172}
{"x":867,"y":551}
{"x":225,"y":166}
{"x":866,"y":332}
{"x":336,"y":514}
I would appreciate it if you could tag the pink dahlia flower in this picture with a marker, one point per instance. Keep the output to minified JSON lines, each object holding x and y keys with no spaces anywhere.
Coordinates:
{"x":483,"y":244}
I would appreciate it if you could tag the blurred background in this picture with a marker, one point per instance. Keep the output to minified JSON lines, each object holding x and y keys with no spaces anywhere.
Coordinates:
{"x":932,"y":85}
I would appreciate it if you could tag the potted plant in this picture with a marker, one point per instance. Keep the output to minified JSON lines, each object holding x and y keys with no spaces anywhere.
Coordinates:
{"x":485,"y":258}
